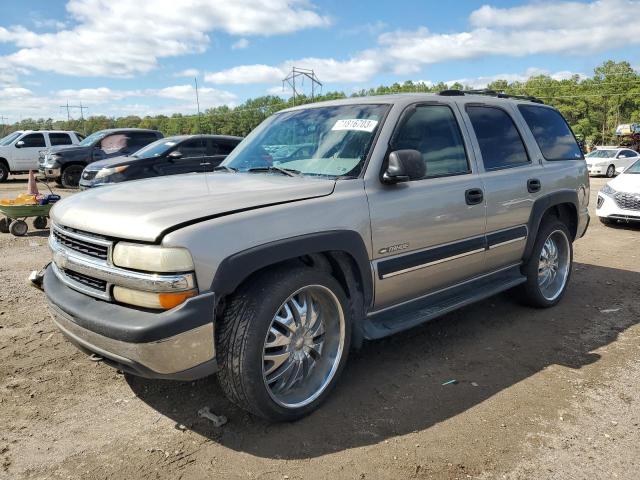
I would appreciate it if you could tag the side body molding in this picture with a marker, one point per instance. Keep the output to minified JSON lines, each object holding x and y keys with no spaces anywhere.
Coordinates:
{"x":540,"y":206}
{"x":235,"y":268}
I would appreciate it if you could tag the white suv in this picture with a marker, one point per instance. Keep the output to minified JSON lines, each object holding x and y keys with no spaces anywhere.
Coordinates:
{"x":19,"y":150}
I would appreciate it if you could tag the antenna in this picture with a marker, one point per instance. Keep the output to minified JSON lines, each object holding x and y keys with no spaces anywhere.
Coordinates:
{"x":195,"y":79}
{"x":301,"y":72}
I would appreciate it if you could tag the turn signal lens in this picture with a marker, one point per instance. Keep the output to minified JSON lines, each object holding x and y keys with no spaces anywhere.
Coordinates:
{"x":161,"y":301}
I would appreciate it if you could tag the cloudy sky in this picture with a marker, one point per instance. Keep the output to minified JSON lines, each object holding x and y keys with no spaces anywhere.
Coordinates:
{"x":122,"y":57}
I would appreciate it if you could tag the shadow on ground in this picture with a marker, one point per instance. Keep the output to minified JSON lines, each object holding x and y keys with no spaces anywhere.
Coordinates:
{"x":394,"y":386}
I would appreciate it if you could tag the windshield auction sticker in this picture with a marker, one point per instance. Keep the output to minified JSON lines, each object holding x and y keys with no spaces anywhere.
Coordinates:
{"x":361,"y":125}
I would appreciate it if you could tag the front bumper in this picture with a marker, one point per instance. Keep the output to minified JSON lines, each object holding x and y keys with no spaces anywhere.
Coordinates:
{"x":608,"y":208}
{"x":177,"y":344}
{"x":49,"y":172}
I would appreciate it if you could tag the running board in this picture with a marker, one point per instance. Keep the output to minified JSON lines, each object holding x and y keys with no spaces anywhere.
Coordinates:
{"x":408,"y":315}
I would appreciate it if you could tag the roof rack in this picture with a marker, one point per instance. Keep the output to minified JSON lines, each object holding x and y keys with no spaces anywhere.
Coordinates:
{"x":491,"y":93}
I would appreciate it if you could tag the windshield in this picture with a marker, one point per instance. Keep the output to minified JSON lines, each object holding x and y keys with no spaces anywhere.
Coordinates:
{"x":603,"y":154}
{"x":634,"y":168}
{"x":9,"y":138}
{"x":155,"y":149}
{"x":93,"y":138}
{"x":327,"y":141}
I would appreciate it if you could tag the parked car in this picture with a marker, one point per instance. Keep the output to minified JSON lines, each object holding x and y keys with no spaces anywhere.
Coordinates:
{"x":19,"y":150}
{"x":269,"y":270}
{"x":65,"y":164}
{"x":619,"y":199}
{"x":605,"y":161}
{"x":167,"y":156}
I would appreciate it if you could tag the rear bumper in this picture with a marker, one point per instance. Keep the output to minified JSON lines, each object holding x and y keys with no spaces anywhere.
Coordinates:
{"x":583,"y":223}
{"x":177,"y":344}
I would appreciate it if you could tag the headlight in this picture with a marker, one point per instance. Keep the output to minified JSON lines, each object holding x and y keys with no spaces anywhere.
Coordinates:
{"x":607,"y":190}
{"x":107,"y":172}
{"x":152,"y":258}
{"x":51,"y":161}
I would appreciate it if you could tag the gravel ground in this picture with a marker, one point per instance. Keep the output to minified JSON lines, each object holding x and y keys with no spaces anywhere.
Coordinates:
{"x":541,"y":394}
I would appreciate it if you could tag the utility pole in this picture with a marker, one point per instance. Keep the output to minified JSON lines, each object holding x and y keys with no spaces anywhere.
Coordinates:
{"x":81,"y":108}
{"x":4,"y":126}
{"x":301,"y":73}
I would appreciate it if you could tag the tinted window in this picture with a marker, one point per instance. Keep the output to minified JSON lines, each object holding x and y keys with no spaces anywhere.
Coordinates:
{"x":500,"y":142}
{"x":193,"y":148}
{"x":434,"y":132}
{"x":629,"y":153}
{"x":33,"y":140}
{"x":551,"y":132}
{"x":140,"y":139}
{"x":220,"y":148}
{"x":60,"y":139}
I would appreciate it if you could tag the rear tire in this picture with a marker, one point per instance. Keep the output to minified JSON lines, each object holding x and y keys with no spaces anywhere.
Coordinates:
{"x":611,"y":171}
{"x":548,"y":269}
{"x":40,"y":223}
{"x":19,"y":228}
{"x":4,"y":225}
{"x":4,"y":171}
{"x":70,"y":177}
{"x":274,"y":361}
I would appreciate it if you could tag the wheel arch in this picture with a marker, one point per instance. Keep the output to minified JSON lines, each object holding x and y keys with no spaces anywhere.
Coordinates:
{"x":562,"y":204}
{"x":340,"y":252}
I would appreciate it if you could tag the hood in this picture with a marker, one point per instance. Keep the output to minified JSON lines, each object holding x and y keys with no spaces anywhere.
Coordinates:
{"x":144,"y":209}
{"x":626,"y":182}
{"x":110,"y":162}
{"x":68,"y":149}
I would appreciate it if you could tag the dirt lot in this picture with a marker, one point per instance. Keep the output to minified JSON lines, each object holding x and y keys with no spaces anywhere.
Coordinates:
{"x":541,"y":394}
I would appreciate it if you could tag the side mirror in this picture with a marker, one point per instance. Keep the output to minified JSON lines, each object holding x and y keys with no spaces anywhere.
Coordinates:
{"x":20,"y":144}
{"x":403,"y":166}
{"x":175,"y":155}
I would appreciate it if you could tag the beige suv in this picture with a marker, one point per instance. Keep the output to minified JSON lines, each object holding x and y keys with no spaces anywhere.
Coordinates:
{"x":330,"y":224}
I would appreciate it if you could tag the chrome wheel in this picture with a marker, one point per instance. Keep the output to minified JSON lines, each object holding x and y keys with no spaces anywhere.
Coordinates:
{"x":303,"y":346}
{"x":554,"y":265}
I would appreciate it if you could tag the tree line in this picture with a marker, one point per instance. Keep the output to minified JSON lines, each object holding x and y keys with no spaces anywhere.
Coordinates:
{"x":593,"y":106}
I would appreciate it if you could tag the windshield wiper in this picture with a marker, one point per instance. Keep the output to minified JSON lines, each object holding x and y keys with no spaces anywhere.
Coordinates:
{"x":224,"y":168}
{"x":290,"y":172}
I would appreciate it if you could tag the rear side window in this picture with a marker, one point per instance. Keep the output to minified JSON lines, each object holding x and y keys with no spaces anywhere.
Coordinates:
{"x":433,"y":130}
{"x":500,"y":143}
{"x":193,"y":148}
{"x":60,"y":139}
{"x":138,"y":140}
{"x":551,"y":132}
{"x":223,"y":148}
{"x":33,"y":140}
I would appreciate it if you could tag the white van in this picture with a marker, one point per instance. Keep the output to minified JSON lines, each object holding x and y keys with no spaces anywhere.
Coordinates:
{"x":19,"y":150}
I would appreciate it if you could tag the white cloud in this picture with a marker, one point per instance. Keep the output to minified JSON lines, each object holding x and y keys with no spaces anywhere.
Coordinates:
{"x":246,"y":74}
{"x":120,"y":38}
{"x":18,"y":101}
{"x":189,"y":72}
{"x":240,"y":44}
{"x":541,"y":28}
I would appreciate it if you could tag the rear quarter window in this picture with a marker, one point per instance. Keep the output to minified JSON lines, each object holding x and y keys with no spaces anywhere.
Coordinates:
{"x":552,"y":133}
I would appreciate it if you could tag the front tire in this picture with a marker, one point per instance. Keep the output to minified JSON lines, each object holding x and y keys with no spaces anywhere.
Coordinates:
{"x":611,"y":171}
{"x":283,"y":341}
{"x":549,"y":267}
{"x":70,"y":177}
{"x":4,"y":171}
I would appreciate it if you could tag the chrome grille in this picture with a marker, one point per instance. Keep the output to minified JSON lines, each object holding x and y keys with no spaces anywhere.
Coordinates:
{"x":628,"y":201}
{"x":82,"y":244}
{"x":90,"y":282}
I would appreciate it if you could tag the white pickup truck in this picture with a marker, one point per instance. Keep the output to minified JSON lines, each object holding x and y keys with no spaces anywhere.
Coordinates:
{"x":19,"y":150}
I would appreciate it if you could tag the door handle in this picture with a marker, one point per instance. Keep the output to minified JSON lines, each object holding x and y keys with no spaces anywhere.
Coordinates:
{"x":533,"y":185}
{"x":204,"y":164}
{"x":474,"y":196}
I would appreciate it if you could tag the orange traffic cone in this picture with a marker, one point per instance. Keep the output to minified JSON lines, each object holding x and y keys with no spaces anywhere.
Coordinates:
{"x":32,"y":188}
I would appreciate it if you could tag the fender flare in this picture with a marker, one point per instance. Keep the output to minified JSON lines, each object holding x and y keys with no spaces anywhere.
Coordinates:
{"x":540,"y":207}
{"x":234,"y":269}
